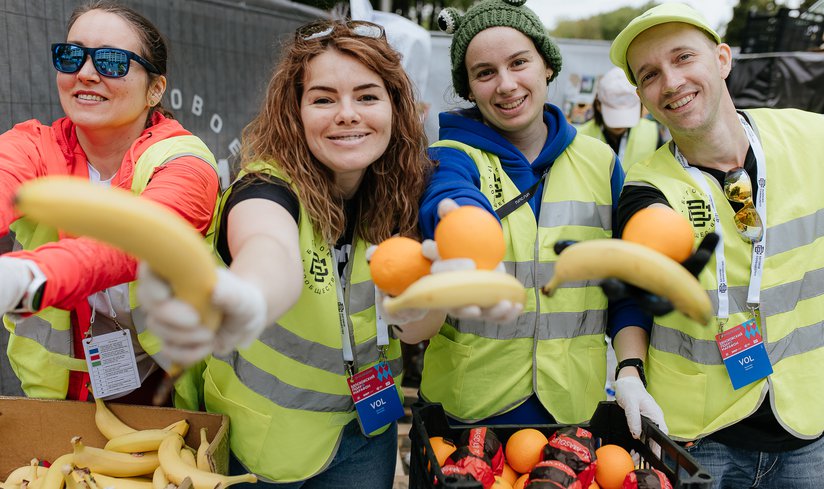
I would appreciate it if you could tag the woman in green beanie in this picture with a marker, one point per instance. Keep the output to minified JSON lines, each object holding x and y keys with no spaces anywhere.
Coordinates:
{"x":516,"y":156}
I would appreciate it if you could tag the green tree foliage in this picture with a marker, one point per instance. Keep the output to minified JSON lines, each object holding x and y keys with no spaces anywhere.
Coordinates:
{"x":601,"y":26}
{"x":735,"y":28}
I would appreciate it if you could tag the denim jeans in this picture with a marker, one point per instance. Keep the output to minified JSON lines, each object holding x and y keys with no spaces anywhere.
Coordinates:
{"x":361,"y":462}
{"x":732,"y":468}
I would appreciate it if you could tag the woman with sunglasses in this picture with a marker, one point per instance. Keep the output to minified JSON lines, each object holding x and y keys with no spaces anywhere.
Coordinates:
{"x":334,"y":161}
{"x":58,"y":289}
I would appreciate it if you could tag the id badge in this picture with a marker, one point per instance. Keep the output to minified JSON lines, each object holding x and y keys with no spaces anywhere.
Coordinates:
{"x":376,"y":397}
{"x":742,"y":349}
{"x":111,"y":362}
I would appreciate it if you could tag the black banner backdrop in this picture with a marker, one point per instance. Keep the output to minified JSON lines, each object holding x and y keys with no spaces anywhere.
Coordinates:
{"x":778,"y":80}
{"x":221,"y":54}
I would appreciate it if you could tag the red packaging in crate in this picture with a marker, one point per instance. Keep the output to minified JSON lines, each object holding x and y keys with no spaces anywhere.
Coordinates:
{"x":608,"y":426}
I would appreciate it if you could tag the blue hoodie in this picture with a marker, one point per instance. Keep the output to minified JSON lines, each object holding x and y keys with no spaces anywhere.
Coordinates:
{"x":456,"y":177}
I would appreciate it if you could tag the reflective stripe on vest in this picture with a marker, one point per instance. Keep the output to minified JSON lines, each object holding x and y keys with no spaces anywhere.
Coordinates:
{"x":43,"y":366}
{"x":289,"y":388}
{"x":477,"y":369}
{"x":685,"y":366}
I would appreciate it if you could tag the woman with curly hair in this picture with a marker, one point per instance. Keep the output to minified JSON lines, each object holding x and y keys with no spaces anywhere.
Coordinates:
{"x":335,"y":161}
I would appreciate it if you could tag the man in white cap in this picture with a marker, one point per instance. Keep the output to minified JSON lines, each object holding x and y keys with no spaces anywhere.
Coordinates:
{"x":617,"y":120}
{"x":745,"y":392}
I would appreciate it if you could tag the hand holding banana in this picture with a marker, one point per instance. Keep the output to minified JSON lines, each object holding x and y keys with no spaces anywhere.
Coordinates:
{"x":140,"y":227}
{"x":638,"y":266}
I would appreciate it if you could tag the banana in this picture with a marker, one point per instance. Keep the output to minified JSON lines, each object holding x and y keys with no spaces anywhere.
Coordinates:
{"x":461,"y":288}
{"x":114,"y":464}
{"x":188,"y":457}
{"x":202,"y":452}
{"x":138,"y":226}
{"x":139,"y":441}
{"x":159,"y":479}
{"x":180,"y":427}
{"x":176,"y":469}
{"x":26,"y":472}
{"x":108,"y":423}
{"x":637,"y":265}
{"x":106,"y":482}
{"x":54,"y":476}
{"x":74,"y":477}
{"x":145,"y":229}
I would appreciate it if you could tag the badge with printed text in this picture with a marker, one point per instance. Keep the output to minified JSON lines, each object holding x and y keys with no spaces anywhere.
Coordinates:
{"x":742,"y":349}
{"x":376,"y":397}
{"x":111,"y":362}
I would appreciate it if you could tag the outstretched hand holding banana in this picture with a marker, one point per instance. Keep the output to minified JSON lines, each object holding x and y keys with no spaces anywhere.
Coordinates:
{"x":140,"y":227}
{"x":622,"y":262}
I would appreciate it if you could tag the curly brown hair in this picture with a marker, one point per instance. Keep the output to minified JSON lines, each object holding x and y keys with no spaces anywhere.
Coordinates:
{"x":388,"y":197}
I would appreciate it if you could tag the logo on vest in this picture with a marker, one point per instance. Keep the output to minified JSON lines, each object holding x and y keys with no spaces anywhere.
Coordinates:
{"x":497,"y":189}
{"x":318,"y":279}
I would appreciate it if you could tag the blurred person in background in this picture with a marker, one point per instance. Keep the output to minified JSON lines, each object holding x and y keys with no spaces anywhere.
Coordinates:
{"x":617,"y":120}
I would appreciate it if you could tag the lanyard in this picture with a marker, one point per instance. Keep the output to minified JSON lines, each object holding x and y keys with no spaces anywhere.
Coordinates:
{"x":758,"y":249}
{"x":381,"y":327}
{"x":518,"y":201}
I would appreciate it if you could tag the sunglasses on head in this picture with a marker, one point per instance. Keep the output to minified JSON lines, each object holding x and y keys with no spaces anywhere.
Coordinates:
{"x":109,"y":62}
{"x":324,"y":28}
{"x":738,"y":188}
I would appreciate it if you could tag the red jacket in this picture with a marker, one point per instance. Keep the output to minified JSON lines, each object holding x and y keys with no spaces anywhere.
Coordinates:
{"x":78,"y":267}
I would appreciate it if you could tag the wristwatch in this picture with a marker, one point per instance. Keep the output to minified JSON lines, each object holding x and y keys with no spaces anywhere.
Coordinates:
{"x":33,"y":296}
{"x":633,"y":362}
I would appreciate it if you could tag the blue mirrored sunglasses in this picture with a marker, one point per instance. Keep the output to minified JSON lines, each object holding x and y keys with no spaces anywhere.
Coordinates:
{"x":109,"y":62}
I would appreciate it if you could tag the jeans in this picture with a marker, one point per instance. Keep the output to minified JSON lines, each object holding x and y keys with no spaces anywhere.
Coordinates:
{"x":732,"y":468}
{"x":361,"y":462}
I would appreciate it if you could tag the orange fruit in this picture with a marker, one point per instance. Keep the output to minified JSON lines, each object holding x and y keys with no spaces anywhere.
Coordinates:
{"x":614,"y":463}
{"x":521,"y":482}
{"x":501,"y":483}
{"x":396,"y":263}
{"x":594,"y":485}
{"x":442,"y":448}
{"x":663,"y":230}
{"x":509,"y":474}
{"x":471,"y":232}
{"x":523,"y":449}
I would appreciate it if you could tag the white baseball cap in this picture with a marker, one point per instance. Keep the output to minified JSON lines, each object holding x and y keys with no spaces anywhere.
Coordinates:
{"x":620,"y":105}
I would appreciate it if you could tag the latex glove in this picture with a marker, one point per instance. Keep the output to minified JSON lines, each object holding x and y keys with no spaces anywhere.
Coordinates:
{"x":502,"y":312}
{"x":15,"y":277}
{"x":185,"y":339}
{"x":654,"y":304}
{"x":400,"y":318}
{"x":633,"y":397}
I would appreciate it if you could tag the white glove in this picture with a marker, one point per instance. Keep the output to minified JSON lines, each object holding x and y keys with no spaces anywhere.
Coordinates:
{"x":633,"y":397}
{"x":244,"y":312}
{"x":185,"y":339}
{"x":15,"y":277}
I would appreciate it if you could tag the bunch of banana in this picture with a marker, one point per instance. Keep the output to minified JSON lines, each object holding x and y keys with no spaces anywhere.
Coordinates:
{"x":114,"y":464}
{"x":176,"y":469}
{"x":140,"y":227}
{"x":449,"y":290}
{"x":23,"y":477}
{"x":635,"y":264}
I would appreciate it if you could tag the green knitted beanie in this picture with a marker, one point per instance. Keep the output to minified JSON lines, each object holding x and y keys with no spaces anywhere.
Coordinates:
{"x":493,"y":13}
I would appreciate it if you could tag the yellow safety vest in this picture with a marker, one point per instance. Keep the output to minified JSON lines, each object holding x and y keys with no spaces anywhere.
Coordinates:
{"x":40,"y":346}
{"x":556,"y":348}
{"x":685,"y":372}
{"x":286,"y":395}
{"x":642,"y":142}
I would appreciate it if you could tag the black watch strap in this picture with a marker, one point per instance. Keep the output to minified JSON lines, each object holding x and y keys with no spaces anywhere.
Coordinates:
{"x":633,"y":362}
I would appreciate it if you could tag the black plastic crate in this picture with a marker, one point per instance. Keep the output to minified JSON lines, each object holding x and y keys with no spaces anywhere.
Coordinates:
{"x":608,"y":425}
